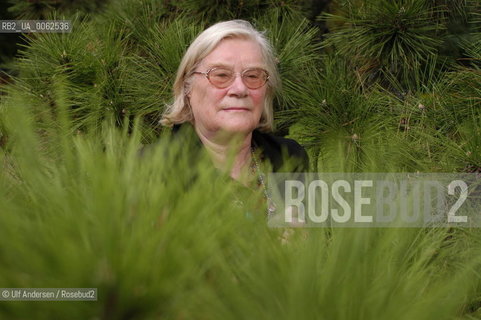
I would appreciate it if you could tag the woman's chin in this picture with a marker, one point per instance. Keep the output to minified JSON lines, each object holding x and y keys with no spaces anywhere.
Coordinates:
{"x":238,"y":128}
{"x":238,"y":124}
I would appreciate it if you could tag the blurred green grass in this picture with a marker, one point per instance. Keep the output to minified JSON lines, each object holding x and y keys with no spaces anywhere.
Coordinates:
{"x":160,"y":237}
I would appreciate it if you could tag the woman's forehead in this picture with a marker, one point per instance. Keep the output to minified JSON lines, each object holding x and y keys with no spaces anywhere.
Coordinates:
{"x":231,"y":52}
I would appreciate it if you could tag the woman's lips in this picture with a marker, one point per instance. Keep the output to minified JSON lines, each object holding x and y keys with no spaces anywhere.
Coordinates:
{"x":236,"y":109}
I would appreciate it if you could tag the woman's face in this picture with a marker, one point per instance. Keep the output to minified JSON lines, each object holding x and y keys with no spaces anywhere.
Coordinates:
{"x":236,"y":108}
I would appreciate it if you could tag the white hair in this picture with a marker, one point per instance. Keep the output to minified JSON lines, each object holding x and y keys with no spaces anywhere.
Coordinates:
{"x":180,"y":111}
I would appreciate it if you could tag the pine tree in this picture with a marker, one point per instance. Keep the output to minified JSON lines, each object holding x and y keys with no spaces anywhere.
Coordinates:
{"x":368,"y":86}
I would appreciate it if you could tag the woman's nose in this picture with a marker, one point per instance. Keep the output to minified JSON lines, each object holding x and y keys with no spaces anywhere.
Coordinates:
{"x":238,"y":88}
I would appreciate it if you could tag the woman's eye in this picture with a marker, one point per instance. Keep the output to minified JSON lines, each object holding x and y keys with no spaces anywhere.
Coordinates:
{"x":253,"y":75}
{"x":221,"y":74}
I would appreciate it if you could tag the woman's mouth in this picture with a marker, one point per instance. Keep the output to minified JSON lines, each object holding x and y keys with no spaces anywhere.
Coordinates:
{"x":236,"y":109}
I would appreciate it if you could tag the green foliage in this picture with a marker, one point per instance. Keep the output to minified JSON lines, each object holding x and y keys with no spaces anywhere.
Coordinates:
{"x":297,"y":52}
{"x":345,"y":129}
{"x":134,"y":18}
{"x":386,"y":38}
{"x":122,"y":62}
{"x":42,"y":9}
{"x":149,"y":75}
{"x":232,"y":9}
{"x":125,"y":60}
{"x":146,"y":231}
{"x":158,"y":231}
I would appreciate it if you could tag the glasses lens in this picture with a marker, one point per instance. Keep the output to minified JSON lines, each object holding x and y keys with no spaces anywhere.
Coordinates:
{"x":220,"y":77}
{"x":254,"y":78}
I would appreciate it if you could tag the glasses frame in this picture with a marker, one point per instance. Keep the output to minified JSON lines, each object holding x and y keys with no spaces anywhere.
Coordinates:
{"x":228,"y":83}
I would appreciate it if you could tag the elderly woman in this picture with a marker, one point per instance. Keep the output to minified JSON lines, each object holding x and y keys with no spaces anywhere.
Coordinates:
{"x":224,"y":88}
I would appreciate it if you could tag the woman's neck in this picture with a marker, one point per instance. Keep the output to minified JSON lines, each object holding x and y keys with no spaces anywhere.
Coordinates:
{"x":230,"y":153}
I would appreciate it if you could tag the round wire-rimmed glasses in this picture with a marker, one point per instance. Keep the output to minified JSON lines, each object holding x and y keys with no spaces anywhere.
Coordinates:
{"x":221,"y":78}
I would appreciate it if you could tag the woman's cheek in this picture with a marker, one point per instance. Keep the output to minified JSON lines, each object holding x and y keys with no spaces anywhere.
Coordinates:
{"x":258,"y":98}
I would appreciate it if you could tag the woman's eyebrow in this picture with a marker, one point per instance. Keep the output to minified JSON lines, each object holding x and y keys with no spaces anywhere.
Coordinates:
{"x":227,"y":66}
{"x":218,"y":65}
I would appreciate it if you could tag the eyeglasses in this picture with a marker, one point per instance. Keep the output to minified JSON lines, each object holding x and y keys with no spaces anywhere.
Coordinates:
{"x":222,"y":77}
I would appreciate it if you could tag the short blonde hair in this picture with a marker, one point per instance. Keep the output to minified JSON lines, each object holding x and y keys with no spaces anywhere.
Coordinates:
{"x":180,"y":111}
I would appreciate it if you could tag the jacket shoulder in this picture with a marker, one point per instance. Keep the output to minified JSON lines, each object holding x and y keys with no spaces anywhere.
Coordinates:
{"x":280,"y":150}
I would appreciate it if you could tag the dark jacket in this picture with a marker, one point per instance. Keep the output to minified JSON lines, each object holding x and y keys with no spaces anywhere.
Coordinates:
{"x":278,"y":149}
{"x":283,"y":154}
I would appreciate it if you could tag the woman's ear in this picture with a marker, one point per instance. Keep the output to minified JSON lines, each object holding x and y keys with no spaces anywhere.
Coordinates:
{"x":187,"y":89}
